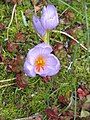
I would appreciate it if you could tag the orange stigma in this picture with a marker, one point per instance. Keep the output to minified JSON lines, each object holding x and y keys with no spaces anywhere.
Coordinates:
{"x":39,"y":63}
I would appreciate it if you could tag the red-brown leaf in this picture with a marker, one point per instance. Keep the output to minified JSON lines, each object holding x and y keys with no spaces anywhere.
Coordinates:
{"x":21,"y":80}
{"x":2,"y":26}
{"x":57,"y":47}
{"x":1,"y":58}
{"x":46,"y":79}
{"x":20,"y":37}
{"x":51,"y":114}
{"x":12,"y":47}
{"x":16,"y":64}
{"x":63,"y":101}
{"x":82,"y":93}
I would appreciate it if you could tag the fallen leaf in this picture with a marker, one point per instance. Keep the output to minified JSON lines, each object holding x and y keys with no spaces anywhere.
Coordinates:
{"x":11,"y":46}
{"x":16,"y":1}
{"x":82,"y":92}
{"x":63,"y":101}
{"x":58,"y":46}
{"x":46,"y":79}
{"x":2,"y":26}
{"x":27,"y":12}
{"x":68,"y":16}
{"x":15,"y":65}
{"x":21,"y":80}
{"x":1,"y":58}
{"x":19,"y":37}
{"x":51,"y":114}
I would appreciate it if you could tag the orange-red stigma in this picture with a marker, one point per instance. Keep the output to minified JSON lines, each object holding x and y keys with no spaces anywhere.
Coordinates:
{"x":39,"y":63}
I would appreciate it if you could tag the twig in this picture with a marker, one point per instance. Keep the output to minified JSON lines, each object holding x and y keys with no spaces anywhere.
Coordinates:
{"x":64,"y":33}
{"x":69,"y":105}
{"x":7,"y":85}
{"x":64,"y":11}
{"x":11,"y":19}
{"x":7,"y":80}
{"x":33,"y":117}
{"x":16,"y":19}
{"x":70,"y":65}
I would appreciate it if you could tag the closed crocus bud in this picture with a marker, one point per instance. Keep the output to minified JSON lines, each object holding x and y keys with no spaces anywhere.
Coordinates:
{"x":38,"y":26}
{"x":48,"y":21}
{"x":49,"y":18}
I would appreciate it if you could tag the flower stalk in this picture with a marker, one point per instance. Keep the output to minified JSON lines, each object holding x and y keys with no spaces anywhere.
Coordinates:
{"x":45,"y":38}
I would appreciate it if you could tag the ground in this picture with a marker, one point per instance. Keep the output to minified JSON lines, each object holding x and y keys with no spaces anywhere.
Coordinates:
{"x":38,"y":95}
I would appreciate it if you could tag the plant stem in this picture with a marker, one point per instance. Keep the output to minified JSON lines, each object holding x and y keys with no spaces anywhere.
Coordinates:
{"x":45,"y":38}
{"x":7,"y":85}
{"x":7,"y":80}
{"x":64,"y":33}
{"x":11,"y":19}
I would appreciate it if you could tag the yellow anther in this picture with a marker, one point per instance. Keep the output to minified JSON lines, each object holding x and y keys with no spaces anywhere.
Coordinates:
{"x":39,"y":63}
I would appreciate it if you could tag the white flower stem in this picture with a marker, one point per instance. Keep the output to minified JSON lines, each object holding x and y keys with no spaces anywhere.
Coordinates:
{"x":11,"y":19}
{"x":2,"y":86}
{"x":64,"y":33}
{"x":7,"y":80}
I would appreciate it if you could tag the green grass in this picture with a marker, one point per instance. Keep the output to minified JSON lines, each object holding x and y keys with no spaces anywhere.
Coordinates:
{"x":16,"y":103}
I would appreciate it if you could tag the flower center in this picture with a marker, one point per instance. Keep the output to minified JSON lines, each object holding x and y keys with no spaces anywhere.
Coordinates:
{"x":39,"y":63}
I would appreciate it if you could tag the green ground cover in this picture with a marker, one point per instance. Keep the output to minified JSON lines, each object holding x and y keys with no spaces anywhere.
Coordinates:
{"x":37,"y":96}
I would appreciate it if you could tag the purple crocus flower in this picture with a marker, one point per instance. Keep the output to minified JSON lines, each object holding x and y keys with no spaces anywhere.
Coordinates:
{"x":38,"y":26}
{"x":41,"y":61}
{"x":48,"y":21}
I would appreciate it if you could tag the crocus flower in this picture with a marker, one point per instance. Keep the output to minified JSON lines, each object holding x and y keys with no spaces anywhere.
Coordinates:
{"x":48,"y":21}
{"x":41,"y":61}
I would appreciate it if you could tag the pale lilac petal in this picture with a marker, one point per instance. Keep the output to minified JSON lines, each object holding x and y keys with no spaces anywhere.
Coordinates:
{"x":47,"y":48}
{"x":44,"y":9}
{"x":52,"y":66}
{"x":49,"y":10}
{"x":38,"y":26}
{"x":33,"y":54}
{"x":40,"y":49}
{"x":29,"y":69}
{"x":52,"y":60}
{"x":49,"y":18}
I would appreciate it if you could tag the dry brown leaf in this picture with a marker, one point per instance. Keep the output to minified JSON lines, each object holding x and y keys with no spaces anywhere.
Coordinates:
{"x":11,"y":46}
{"x":19,"y":37}
{"x":2,"y":26}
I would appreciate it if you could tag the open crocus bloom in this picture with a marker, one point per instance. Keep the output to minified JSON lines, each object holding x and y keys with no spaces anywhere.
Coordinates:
{"x":40,"y":61}
{"x":48,"y":21}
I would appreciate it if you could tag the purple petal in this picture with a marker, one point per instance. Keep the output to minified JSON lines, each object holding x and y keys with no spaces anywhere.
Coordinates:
{"x":38,"y":26}
{"x":40,"y":49}
{"x":44,"y":9}
{"x":52,"y":66}
{"x":47,"y":48}
{"x":33,"y":54}
{"x":29,"y":69}
{"x":50,"y":9}
{"x":49,"y":18}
